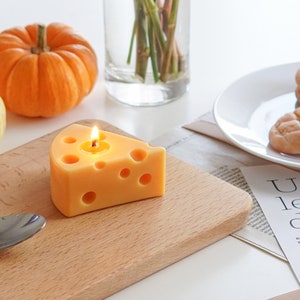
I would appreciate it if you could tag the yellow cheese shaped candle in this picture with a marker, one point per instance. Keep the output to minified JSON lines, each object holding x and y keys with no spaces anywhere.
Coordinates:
{"x":90,"y":173}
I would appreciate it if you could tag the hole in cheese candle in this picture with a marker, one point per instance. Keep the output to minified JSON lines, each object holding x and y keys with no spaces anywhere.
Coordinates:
{"x":90,"y":173}
{"x":89,"y":197}
{"x":125,"y":173}
{"x":69,"y":140}
{"x":145,"y":179}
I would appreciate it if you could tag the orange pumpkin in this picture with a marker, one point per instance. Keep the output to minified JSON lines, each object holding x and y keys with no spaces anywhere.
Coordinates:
{"x":45,"y":71}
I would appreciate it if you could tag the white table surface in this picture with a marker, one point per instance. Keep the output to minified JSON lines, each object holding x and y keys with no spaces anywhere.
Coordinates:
{"x":228,"y":40}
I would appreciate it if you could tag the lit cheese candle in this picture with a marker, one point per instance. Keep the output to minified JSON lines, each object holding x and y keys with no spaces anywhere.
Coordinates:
{"x":106,"y":169}
{"x":96,"y":143}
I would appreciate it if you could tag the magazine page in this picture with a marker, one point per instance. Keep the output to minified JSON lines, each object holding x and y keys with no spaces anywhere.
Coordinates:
{"x":223,"y":160}
{"x":276,"y":188}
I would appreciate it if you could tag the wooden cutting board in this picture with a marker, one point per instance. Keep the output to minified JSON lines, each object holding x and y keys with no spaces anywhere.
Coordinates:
{"x":94,"y":255}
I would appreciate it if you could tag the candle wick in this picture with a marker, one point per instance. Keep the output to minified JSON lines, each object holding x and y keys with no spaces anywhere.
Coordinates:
{"x":94,"y":143}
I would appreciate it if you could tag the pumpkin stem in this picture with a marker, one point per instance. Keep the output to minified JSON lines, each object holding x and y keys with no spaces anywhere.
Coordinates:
{"x":41,"y":45}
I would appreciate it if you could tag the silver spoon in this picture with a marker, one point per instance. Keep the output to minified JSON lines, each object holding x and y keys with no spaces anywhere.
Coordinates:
{"x":18,"y":227}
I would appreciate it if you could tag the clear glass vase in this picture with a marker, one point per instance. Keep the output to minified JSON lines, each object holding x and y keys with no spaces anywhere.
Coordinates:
{"x":146,"y":50}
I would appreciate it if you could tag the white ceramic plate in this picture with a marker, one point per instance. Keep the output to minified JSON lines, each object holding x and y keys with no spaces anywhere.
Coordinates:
{"x":248,"y":108}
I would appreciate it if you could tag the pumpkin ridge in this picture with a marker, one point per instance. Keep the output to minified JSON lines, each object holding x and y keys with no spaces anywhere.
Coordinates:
{"x":27,"y":87}
{"x":87,"y":57}
{"x":11,"y":41}
{"x":32,"y":32}
{"x":19,"y":32}
{"x":7,"y":63}
{"x":77,"y":47}
{"x":55,"y":27}
{"x":80,"y":74}
{"x":61,"y":94}
{"x":67,"y":38}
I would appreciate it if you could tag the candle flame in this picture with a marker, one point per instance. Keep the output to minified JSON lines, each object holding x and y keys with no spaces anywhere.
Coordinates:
{"x":95,"y":136}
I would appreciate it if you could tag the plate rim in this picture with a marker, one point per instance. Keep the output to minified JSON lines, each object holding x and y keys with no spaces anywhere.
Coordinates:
{"x":280,"y":160}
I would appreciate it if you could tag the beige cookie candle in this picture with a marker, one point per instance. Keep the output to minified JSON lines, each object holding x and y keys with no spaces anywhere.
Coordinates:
{"x":93,"y":172}
{"x":284,"y":135}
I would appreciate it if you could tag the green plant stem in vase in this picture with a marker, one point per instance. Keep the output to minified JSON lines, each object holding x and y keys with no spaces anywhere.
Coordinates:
{"x":154,"y":35}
